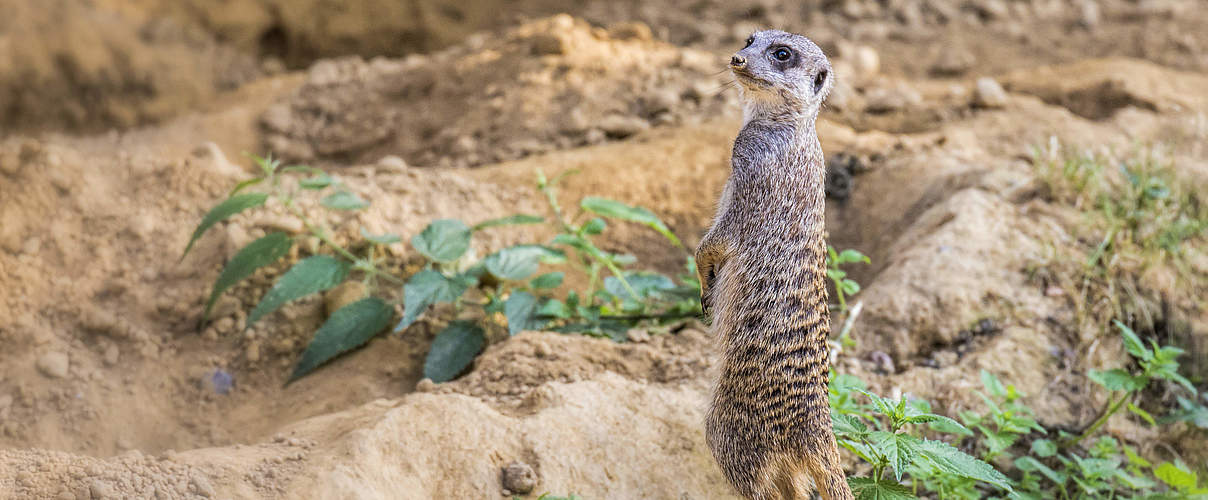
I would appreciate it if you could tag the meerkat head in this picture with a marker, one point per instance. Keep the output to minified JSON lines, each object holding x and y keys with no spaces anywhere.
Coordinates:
{"x":782,"y":76}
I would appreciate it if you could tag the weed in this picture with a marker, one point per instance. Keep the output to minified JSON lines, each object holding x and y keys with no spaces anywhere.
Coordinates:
{"x":505,"y":282}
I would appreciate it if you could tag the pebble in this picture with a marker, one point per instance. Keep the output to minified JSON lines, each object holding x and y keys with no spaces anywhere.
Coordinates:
{"x":1089,"y":14}
{"x":519,"y":477}
{"x":53,"y":364}
{"x":392,"y":162}
{"x":545,"y":44}
{"x":631,"y":31}
{"x":989,"y":94}
{"x":866,"y":60}
{"x":111,"y":355}
{"x":100,"y":490}
{"x":202,"y":486}
{"x":252,"y":352}
{"x":952,"y":61}
{"x":882,"y":100}
{"x":620,"y":127}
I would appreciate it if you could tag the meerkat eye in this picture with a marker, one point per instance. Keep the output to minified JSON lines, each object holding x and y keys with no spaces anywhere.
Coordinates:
{"x":819,"y":80}
{"x":750,"y":40}
{"x":782,"y":54}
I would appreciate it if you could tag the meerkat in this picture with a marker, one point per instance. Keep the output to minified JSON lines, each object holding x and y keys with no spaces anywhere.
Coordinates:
{"x":762,"y":272}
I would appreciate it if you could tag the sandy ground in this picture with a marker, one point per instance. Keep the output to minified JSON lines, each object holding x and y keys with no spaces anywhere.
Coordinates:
{"x":120,"y":133}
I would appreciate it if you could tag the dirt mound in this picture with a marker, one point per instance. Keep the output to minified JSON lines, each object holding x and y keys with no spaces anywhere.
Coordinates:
{"x":81,"y":66}
{"x":1096,"y":89}
{"x":551,"y":84}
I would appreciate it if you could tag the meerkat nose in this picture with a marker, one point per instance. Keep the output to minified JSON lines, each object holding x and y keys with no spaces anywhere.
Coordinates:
{"x":738,"y":61}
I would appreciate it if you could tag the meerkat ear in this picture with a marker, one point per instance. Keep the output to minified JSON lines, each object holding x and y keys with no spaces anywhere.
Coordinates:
{"x":820,"y":80}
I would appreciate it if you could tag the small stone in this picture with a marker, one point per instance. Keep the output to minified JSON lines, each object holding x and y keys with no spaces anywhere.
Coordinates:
{"x":202,"y":486}
{"x":392,"y":162}
{"x":882,"y":361}
{"x":866,"y":61}
{"x":101,"y":490}
{"x":53,"y":364}
{"x":595,"y":136}
{"x":342,"y":295}
{"x":1089,"y":17}
{"x":638,"y":335}
{"x":952,"y":61}
{"x":884,"y":100}
{"x":989,"y":94}
{"x":631,"y":31}
{"x":620,"y":127}
{"x":252,"y":352}
{"x":111,"y":355}
{"x":545,"y":44}
{"x":660,"y":101}
{"x":425,"y":385}
{"x":225,"y":325}
{"x":519,"y":478}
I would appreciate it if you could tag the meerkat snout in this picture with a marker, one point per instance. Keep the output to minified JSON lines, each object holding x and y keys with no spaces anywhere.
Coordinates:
{"x":737,"y":61}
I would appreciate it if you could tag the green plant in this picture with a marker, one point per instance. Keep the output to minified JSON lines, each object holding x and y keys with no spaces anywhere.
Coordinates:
{"x":887,"y":434}
{"x":503,"y":288}
{"x":844,"y":286}
{"x":1046,"y":468}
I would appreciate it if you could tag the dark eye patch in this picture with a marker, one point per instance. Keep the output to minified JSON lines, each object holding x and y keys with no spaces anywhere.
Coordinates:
{"x":750,"y":40}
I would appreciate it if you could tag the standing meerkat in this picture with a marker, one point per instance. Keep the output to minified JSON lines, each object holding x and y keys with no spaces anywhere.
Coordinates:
{"x":763,"y":279}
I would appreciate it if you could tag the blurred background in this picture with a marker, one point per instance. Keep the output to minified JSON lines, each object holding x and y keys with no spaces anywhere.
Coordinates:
{"x":1020,"y":173}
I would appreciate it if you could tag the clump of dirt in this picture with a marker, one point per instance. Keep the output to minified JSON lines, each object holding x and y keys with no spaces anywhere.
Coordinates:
{"x":556,"y":83}
{"x":70,"y":65}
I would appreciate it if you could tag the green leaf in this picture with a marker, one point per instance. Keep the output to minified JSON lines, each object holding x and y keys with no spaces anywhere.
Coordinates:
{"x":343,"y":200}
{"x":1176,"y":476}
{"x":848,"y":425}
{"x":521,"y":310}
{"x":223,"y":211}
{"x":255,"y":255}
{"x":1136,"y":410}
{"x":244,"y":185}
{"x":1133,"y":343}
{"x":1029,"y":464}
{"x":867,"y":488}
{"x":319,"y":181}
{"x":618,"y":210}
{"x":267,"y":164}
{"x":900,"y":449}
{"x":645,"y":284}
{"x":1117,"y":380}
{"x":950,"y":460}
{"x":521,"y":261}
{"x":849,"y":287}
{"x":548,"y":280}
{"x":851,"y":256}
{"x":993,"y":385}
{"x":310,"y":275}
{"x":380,"y":239}
{"x":511,"y":220}
{"x":444,"y":240}
{"x":594,"y":226}
{"x":555,"y":308}
{"x":1044,"y":448}
{"x":426,"y":288}
{"x":938,"y":423}
{"x":347,"y":328}
{"x":453,"y":349}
